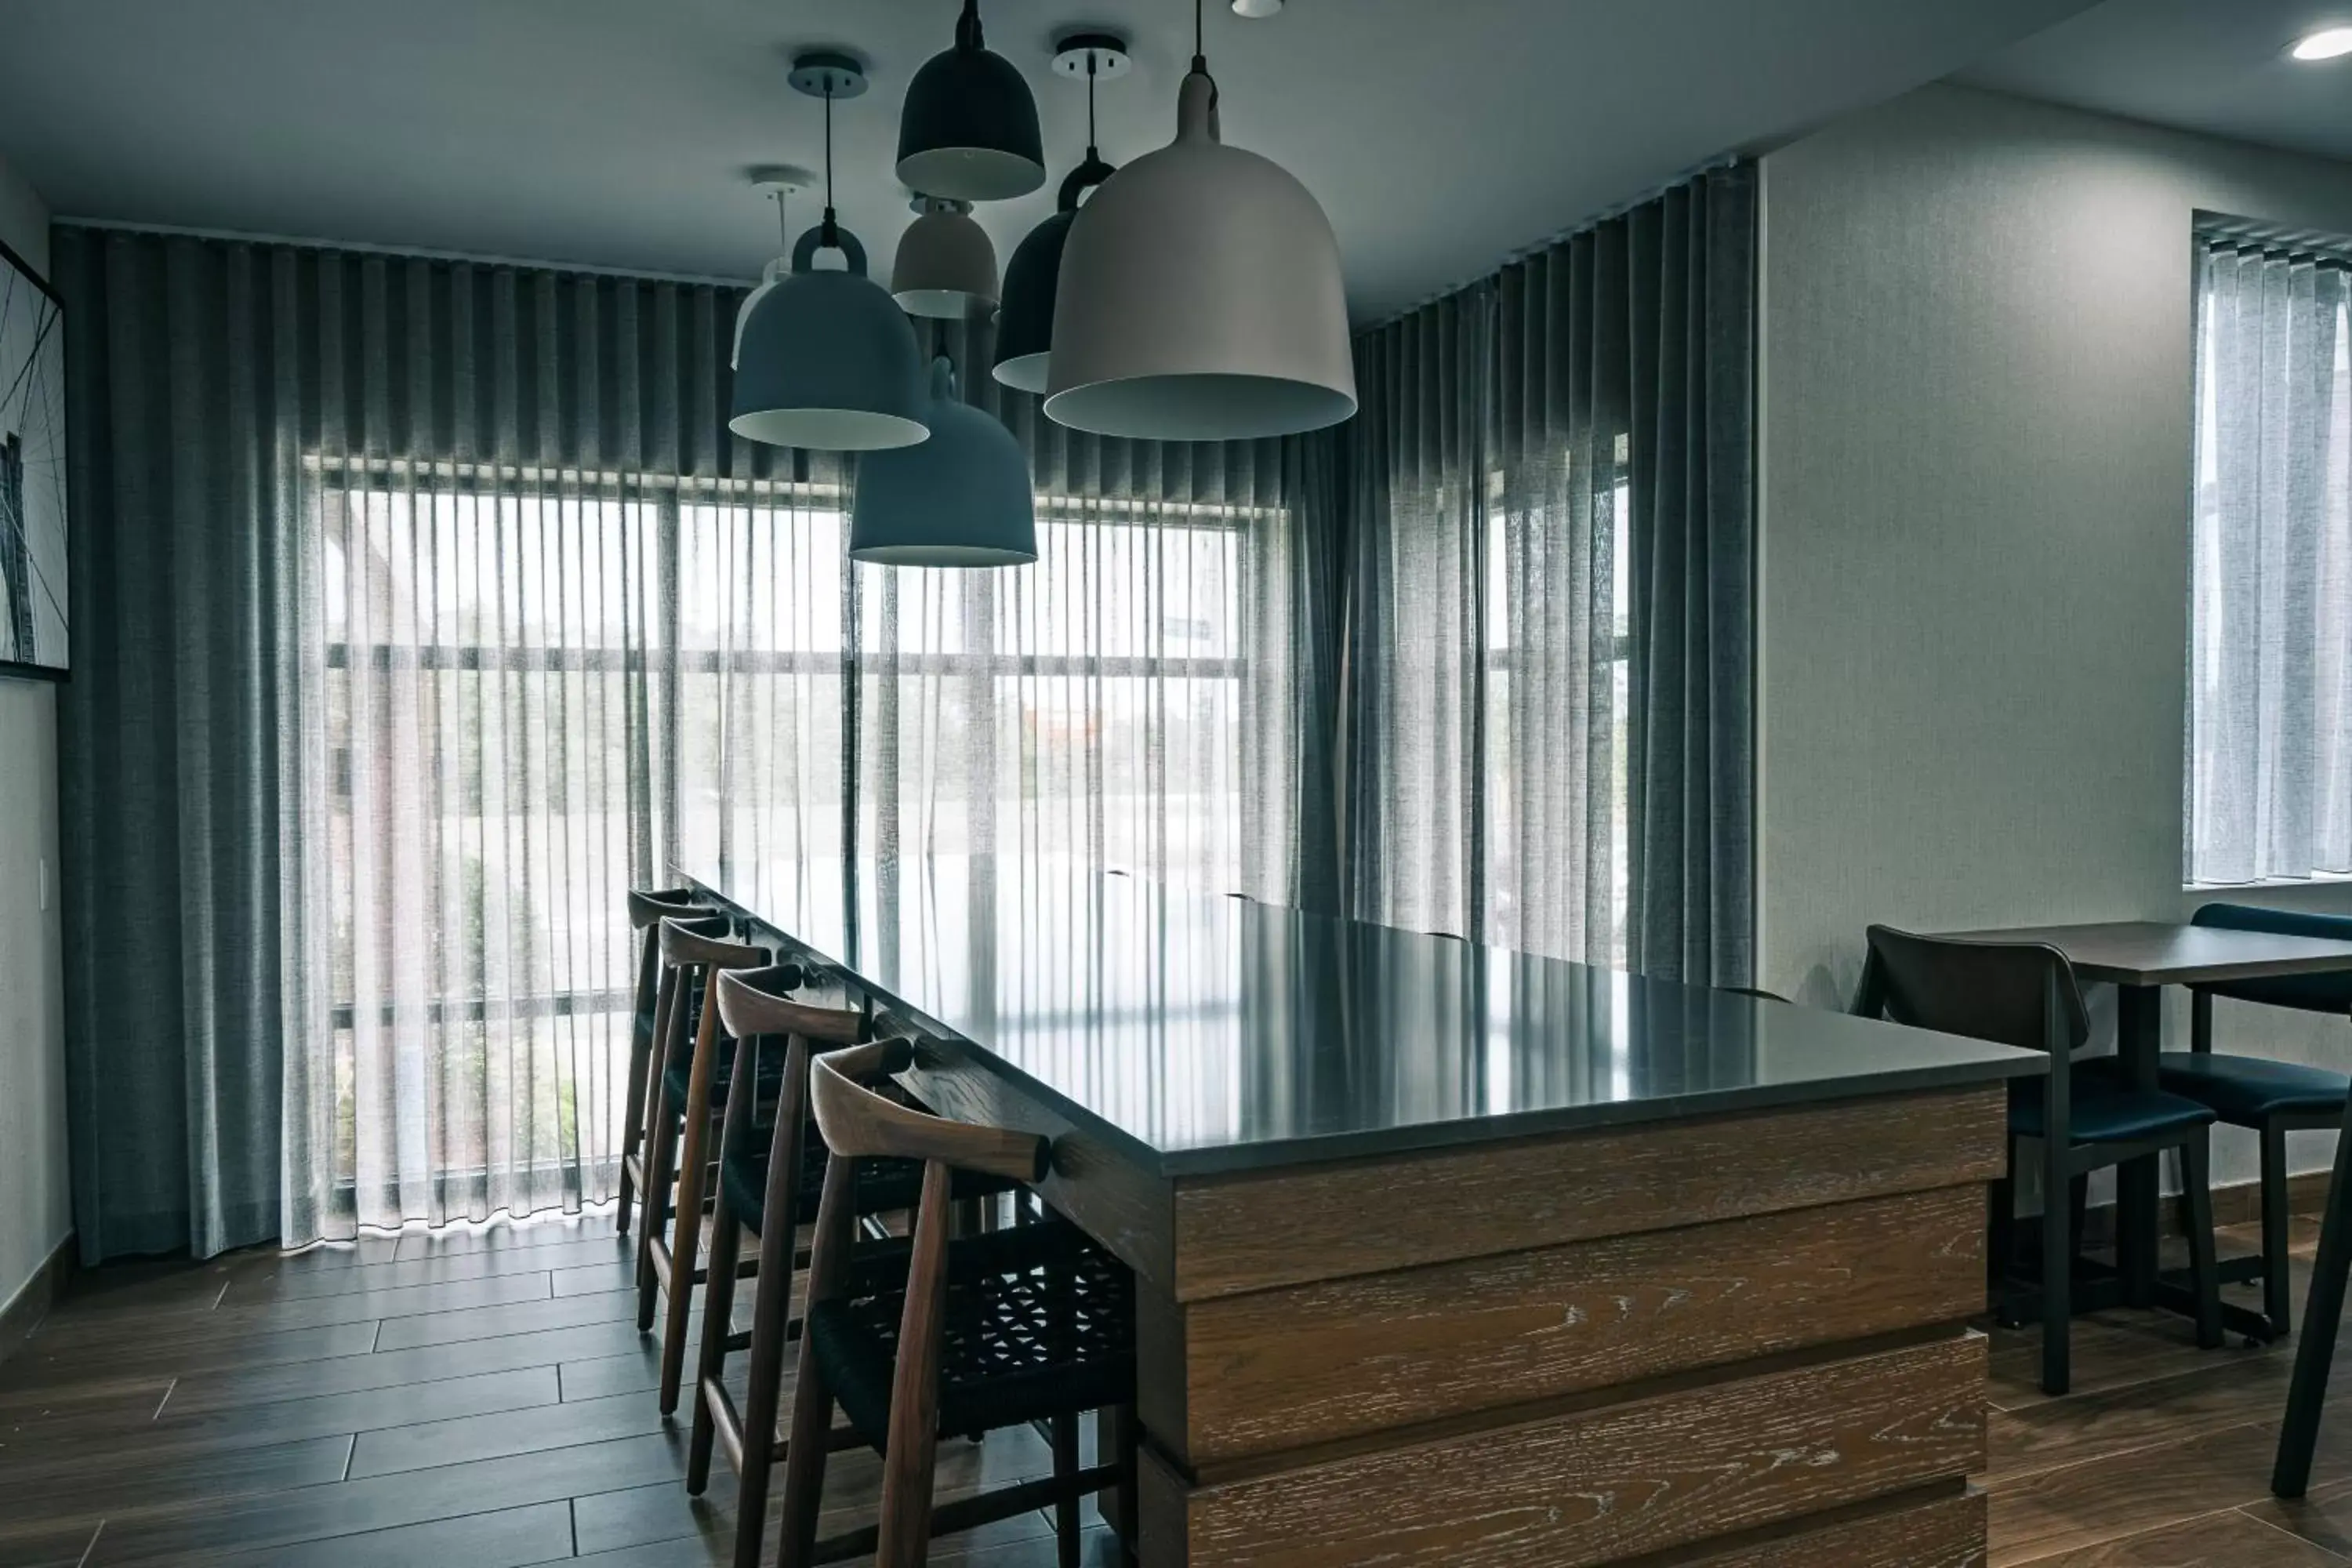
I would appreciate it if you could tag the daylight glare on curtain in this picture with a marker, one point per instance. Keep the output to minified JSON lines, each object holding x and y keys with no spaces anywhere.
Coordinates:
{"x":2270,"y":687}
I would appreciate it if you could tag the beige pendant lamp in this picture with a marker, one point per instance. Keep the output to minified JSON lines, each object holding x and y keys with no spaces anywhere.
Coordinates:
{"x":1200,"y":296}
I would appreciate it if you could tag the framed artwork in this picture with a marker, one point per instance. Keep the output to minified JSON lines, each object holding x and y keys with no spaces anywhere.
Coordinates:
{"x":32,"y":474}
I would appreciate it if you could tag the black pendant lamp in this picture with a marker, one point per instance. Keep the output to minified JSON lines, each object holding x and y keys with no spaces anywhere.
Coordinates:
{"x":968,"y":129}
{"x":1024,"y":326}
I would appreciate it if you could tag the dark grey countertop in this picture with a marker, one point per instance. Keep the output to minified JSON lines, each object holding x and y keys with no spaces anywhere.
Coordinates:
{"x":1206,"y":1033}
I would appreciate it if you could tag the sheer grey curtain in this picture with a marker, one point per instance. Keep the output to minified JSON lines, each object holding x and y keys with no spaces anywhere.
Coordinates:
{"x":428,"y":605}
{"x":1549,"y":634}
{"x":2270,"y":693}
{"x":372,"y":723}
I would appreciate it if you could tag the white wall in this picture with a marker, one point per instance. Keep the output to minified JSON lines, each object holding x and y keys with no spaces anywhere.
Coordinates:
{"x":35,"y":1210}
{"x":1975,"y":451}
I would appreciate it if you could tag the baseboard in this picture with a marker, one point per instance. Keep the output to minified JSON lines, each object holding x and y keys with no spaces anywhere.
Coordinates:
{"x":2241,"y":1203}
{"x":31,"y":1304}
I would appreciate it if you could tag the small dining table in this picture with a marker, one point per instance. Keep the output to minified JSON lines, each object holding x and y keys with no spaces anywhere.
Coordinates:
{"x":2139,"y":958}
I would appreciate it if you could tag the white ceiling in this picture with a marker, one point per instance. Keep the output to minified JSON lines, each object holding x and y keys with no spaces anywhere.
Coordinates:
{"x":2216,"y":66}
{"x":1441,"y":137}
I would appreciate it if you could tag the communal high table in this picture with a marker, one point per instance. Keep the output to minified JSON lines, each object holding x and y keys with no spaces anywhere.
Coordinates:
{"x":2139,"y":958}
{"x":1447,"y":1255}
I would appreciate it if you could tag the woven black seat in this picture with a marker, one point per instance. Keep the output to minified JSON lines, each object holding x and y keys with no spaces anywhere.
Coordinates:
{"x":884,"y":1186}
{"x":1039,"y":1322}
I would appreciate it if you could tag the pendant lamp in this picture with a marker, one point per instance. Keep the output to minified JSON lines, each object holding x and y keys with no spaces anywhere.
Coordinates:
{"x":1201,"y":297}
{"x":827,"y":360}
{"x":780,"y":181}
{"x":961,"y":499}
{"x":969,"y":128}
{"x":946,"y":266}
{"x":1025,"y":327}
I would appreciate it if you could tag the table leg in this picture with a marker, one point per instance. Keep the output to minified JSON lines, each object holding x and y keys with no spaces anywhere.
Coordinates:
{"x":2322,"y":1312}
{"x":2139,"y":1037}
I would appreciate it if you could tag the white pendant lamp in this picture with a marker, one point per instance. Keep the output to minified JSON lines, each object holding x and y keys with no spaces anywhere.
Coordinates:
{"x":946,"y":268}
{"x":827,"y":360}
{"x":779,"y":181}
{"x":1200,"y":296}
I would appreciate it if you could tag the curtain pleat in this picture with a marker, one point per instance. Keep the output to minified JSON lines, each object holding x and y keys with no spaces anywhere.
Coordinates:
{"x":1549,"y":727}
{"x":2270,"y":700}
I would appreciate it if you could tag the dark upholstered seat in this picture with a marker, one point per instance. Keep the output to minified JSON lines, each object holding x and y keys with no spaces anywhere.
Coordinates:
{"x":1039,"y":1322}
{"x":2105,"y":1113}
{"x":2245,"y":1090}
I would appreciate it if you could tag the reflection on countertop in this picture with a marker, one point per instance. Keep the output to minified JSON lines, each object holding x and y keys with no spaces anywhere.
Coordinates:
{"x":1211,"y":1033}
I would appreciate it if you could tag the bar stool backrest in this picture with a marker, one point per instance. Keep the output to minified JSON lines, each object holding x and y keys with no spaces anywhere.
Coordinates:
{"x":647,"y":905}
{"x":708,"y":939}
{"x":2020,"y":993}
{"x":754,"y":1002}
{"x":859,"y":1123}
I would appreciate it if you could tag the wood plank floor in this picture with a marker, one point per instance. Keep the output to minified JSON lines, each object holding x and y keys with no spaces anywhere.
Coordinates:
{"x":482,"y":1399}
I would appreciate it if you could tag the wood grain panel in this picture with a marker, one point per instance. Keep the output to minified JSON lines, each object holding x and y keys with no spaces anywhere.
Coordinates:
{"x":1112,"y":1197}
{"x":1947,"y":1532}
{"x":1285,"y":1369}
{"x":1597,"y":1485}
{"x":1260,"y":1231}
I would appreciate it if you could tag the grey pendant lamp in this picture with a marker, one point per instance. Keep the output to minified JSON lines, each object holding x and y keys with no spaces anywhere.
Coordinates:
{"x":826,"y":360}
{"x":969,"y":128}
{"x":1200,"y":296}
{"x":961,"y":499}
{"x":1024,"y":326}
{"x":946,"y":268}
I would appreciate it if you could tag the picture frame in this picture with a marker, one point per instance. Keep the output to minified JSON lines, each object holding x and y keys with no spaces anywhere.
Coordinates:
{"x":34,"y":519}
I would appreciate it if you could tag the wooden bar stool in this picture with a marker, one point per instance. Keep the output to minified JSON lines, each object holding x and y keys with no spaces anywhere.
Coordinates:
{"x":694,"y":953}
{"x":1002,"y":1329}
{"x":646,"y":906}
{"x":776,"y":1170}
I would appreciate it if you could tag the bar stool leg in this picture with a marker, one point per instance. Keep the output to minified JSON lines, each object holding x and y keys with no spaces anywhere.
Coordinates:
{"x":632,"y":1129}
{"x":660,"y":1172}
{"x":686,"y":1218}
{"x":717,"y":1321}
{"x":805,"y":1452}
{"x":1065,"y":1506}
{"x":771,"y":1306}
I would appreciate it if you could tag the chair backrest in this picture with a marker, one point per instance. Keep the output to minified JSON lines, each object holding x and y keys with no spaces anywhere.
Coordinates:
{"x":1997,"y":991}
{"x":754,"y":1002}
{"x":708,"y":939}
{"x":647,"y":905}
{"x":1760,"y":995}
{"x":859,"y":1123}
{"x":2310,"y":992}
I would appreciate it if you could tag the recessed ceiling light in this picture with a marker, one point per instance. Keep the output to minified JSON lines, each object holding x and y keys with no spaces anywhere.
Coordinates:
{"x":2325,"y":44}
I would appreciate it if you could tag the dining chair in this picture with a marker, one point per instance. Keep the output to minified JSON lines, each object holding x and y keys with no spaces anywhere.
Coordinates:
{"x":647,"y":907}
{"x":2025,"y":995}
{"x":2273,"y":1098}
{"x":1006,"y":1328}
{"x":680,"y":1106}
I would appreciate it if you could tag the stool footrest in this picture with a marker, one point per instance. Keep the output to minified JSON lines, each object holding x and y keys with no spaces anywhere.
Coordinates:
{"x":970,"y":1512}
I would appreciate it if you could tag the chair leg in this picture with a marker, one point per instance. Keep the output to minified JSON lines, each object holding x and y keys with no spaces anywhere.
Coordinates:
{"x":633,"y":1121}
{"x":805,"y":1456}
{"x":657,"y":1206}
{"x":2078,"y":1216}
{"x":2057,"y":1268}
{"x":2278,"y":1290}
{"x":2000,"y":1239}
{"x":1130,"y":1494}
{"x":771,"y":1309}
{"x":717,"y":1321}
{"x":685,"y":1244}
{"x":1065,"y":1474}
{"x":2205,"y":1274}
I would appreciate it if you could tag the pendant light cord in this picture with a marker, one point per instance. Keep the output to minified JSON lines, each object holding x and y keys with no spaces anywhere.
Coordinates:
{"x":831,"y":237}
{"x":1091,"y":153}
{"x":1199,"y":52}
